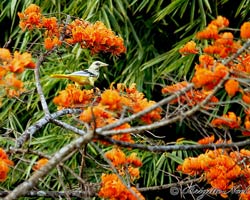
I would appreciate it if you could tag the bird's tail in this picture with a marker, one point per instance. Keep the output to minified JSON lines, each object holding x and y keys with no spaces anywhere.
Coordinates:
{"x":59,"y":76}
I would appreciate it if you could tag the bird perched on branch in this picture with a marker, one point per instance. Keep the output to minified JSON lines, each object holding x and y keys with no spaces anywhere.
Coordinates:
{"x":84,"y":77}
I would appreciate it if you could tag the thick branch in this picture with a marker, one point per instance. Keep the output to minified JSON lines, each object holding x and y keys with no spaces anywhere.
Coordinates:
{"x":26,"y":186}
{"x":40,"y":123}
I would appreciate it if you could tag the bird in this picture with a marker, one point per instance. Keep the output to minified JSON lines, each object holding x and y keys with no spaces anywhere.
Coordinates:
{"x":84,"y":77}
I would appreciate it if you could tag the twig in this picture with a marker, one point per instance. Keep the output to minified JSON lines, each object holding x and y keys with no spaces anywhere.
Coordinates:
{"x":162,"y":187}
{"x":164,"y":148}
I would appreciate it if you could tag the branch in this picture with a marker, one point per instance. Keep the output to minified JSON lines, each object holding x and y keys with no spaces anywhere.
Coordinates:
{"x":68,"y":126}
{"x":26,"y":186}
{"x":90,"y":192}
{"x":40,"y":123}
{"x":240,"y":51}
{"x":162,"y":187}
{"x":38,"y":84}
{"x":164,"y":148}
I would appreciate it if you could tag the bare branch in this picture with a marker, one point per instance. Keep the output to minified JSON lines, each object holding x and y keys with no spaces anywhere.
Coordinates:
{"x":40,"y":123}
{"x":162,"y":187}
{"x":58,"y":194}
{"x":164,"y":148}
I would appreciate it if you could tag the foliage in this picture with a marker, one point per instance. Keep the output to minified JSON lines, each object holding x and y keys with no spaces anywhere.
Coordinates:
{"x":143,"y":25}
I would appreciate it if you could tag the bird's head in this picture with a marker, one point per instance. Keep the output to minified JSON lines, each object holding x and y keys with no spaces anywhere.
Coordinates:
{"x":96,"y":65}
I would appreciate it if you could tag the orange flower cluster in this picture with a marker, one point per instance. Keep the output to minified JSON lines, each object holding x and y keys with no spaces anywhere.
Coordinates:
{"x":245,"y":30}
{"x":40,"y":163}
{"x":108,"y":107}
{"x":4,"y":165}
{"x":247,"y":124}
{"x":191,"y":97}
{"x":232,"y":87}
{"x":206,"y":140}
{"x":10,"y":67}
{"x":73,"y":97}
{"x":111,"y":186}
{"x":118,"y":158}
{"x":209,"y":78}
{"x":210,"y":69}
{"x":229,"y":120}
{"x":189,"y":48}
{"x":212,"y":30}
{"x":115,"y":100}
{"x":96,"y":37}
{"x":243,"y":64}
{"x":221,"y":168}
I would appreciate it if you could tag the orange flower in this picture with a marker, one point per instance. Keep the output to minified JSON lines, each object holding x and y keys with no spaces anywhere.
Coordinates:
{"x":246,"y":97}
{"x":50,"y":43}
{"x":126,"y":137}
{"x":113,"y":188}
{"x":210,"y":32}
{"x":245,"y":30}
{"x":134,"y":173}
{"x":97,"y":37}
{"x":97,"y":115}
{"x":30,"y":18}
{"x":12,"y":81}
{"x":206,"y":140}
{"x":204,"y":77}
{"x":21,"y":61}
{"x":174,"y":88}
{"x":247,"y":126}
{"x":5,"y":55}
{"x":4,"y":169}
{"x":40,"y":163}
{"x":116,"y":156}
{"x":4,"y":165}
{"x":230,"y":120}
{"x":232,"y":86}
{"x":3,"y":72}
{"x":225,"y":39}
{"x":191,"y":97}
{"x":220,"y":22}
{"x":206,"y":61}
{"x":134,"y":160}
{"x":51,"y":26}
{"x":112,"y":99}
{"x":149,"y":117}
{"x":73,"y":97}
{"x":189,"y":48}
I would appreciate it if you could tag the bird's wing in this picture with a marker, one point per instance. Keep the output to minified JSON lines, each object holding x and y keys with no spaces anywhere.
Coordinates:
{"x":84,"y":73}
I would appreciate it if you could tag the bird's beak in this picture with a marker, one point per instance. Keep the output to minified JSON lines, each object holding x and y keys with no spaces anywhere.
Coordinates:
{"x":103,"y":64}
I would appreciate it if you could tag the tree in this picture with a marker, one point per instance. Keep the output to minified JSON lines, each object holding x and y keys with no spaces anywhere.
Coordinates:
{"x":100,"y":117}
